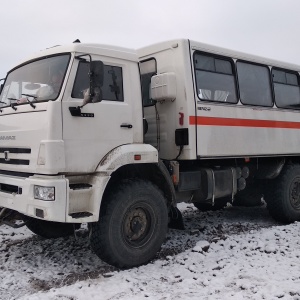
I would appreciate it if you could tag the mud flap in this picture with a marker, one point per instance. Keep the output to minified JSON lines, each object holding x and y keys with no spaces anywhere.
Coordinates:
{"x":175,"y":218}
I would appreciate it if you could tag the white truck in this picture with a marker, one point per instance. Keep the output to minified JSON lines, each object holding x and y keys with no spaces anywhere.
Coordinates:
{"x":115,"y":138}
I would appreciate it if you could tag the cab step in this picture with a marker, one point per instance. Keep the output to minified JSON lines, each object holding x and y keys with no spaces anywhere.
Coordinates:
{"x":78,"y":215}
{"x":79,"y":186}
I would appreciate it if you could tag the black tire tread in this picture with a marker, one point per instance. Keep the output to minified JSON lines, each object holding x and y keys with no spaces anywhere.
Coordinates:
{"x":47,"y":229}
{"x":100,"y":239}
{"x":277,"y":203}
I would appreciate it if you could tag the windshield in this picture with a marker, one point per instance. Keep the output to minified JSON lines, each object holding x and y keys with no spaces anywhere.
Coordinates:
{"x":40,"y":80}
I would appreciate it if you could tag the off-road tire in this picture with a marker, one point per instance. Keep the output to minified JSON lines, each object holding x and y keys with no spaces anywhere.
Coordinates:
{"x":132,"y":224}
{"x":47,"y":229}
{"x":283,"y":196}
{"x":219,"y":204}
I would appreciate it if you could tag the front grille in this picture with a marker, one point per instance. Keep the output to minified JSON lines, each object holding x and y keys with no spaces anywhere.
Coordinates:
{"x":8,"y":160}
{"x":14,"y":161}
{"x":15,"y":174}
{"x":11,"y":189}
{"x":15,"y":150}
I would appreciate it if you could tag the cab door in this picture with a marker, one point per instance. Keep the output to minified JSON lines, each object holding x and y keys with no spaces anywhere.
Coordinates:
{"x":100,"y":127}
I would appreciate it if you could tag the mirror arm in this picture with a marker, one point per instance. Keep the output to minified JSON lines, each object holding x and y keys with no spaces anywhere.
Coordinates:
{"x":90,"y":71}
{"x":80,"y":57}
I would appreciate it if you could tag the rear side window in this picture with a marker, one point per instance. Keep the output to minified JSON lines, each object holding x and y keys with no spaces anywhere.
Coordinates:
{"x":286,"y":89}
{"x":112,"y":88}
{"x":255,"y":84}
{"x":215,"y":78}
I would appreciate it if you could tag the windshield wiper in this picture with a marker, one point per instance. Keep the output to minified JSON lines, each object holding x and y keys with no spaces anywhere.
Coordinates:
{"x":3,"y":103}
{"x":28,"y":95}
{"x":30,"y":102}
{"x":12,"y":105}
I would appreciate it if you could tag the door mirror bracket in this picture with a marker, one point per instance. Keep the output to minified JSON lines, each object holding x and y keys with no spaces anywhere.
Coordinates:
{"x":96,"y":80}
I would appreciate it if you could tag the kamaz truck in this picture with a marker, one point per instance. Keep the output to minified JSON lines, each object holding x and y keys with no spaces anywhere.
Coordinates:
{"x":115,"y":138}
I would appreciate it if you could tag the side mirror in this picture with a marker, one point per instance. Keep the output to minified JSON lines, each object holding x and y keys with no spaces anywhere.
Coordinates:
{"x":96,"y":80}
{"x":1,"y":85}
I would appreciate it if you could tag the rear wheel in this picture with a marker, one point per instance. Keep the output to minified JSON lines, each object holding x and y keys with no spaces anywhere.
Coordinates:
{"x":48,"y":229}
{"x":283,"y":199}
{"x":132,"y":224}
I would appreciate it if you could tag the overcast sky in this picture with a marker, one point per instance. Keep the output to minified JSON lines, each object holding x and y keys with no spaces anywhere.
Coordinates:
{"x":264,"y":27}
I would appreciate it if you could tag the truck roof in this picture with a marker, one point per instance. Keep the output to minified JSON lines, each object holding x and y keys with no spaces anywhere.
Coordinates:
{"x":135,"y":55}
{"x":101,"y":49}
{"x":151,"y":49}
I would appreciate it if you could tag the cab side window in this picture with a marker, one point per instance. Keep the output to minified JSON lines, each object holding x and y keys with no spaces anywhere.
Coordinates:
{"x":112,"y":88}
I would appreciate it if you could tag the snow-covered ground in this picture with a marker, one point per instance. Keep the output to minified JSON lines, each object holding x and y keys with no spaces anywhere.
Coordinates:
{"x":237,"y":253}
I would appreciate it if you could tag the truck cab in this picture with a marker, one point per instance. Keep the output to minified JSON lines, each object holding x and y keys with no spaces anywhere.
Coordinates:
{"x":42,"y":140}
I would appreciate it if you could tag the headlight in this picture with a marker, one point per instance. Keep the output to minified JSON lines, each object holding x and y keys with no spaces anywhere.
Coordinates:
{"x":44,"y":193}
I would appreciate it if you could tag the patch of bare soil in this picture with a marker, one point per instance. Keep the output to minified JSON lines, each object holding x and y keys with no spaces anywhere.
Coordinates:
{"x":44,"y":285}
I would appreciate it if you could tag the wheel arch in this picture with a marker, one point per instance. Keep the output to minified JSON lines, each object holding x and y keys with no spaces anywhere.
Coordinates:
{"x":156,"y":173}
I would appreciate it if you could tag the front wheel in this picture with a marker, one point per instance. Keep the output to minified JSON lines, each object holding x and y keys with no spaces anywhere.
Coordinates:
{"x":47,"y":229}
{"x":283,"y":200}
{"x":132,"y":224}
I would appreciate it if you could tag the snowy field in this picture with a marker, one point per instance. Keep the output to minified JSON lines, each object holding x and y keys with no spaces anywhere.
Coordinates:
{"x":238,"y":253}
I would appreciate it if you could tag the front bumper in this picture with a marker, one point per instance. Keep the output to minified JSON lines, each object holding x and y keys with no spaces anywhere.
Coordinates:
{"x":17,"y":193}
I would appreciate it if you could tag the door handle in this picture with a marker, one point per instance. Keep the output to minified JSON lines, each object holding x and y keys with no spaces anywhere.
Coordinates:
{"x":126,"y":126}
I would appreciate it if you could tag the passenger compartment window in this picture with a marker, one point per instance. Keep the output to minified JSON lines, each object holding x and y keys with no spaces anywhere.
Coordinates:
{"x":215,"y":78}
{"x":255,"y":84}
{"x":112,"y":88}
{"x":286,"y":89}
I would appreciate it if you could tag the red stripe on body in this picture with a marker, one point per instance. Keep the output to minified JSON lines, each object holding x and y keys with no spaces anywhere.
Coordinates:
{"x":232,"y":122}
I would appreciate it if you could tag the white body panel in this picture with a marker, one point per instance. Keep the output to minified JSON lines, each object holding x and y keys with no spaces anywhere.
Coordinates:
{"x":87,"y":140}
{"x":234,"y":131}
{"x":29,"y":128}
{"x":172,"y":57}
{"x":216,"y":129}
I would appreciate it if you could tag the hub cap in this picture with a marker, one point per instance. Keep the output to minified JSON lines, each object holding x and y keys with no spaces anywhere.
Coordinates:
{"x":136,"y":226}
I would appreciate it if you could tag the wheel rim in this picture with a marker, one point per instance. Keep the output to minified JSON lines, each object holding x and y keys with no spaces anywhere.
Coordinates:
{"x":138,"y":225}
{"x":295,"y":193}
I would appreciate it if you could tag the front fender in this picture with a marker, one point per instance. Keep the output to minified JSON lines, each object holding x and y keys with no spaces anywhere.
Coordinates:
{"x":125,"y":155}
